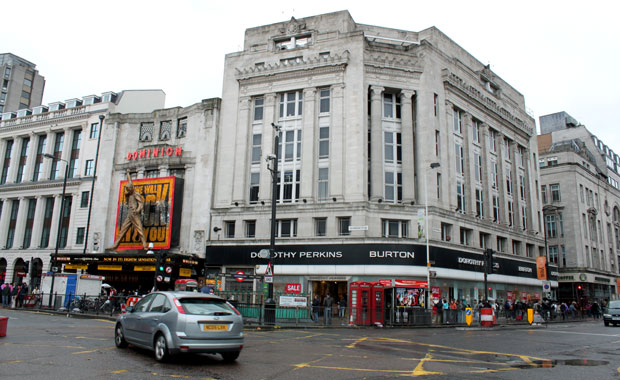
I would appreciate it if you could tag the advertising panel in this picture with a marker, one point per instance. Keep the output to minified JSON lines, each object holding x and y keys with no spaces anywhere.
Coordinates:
{"x":161,"y":214}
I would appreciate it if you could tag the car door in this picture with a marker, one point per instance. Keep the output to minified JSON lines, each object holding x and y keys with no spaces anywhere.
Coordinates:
{"x":133,"y":320}
{"x":152,"y":318}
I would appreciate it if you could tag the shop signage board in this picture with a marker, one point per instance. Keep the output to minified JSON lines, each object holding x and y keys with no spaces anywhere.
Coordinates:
{"x":371,"y":254}
{"x":149,"y":268}
{"x":240,"y":276}
{"x":403,"y":283}
{"x":185,"y":272}
{"x":292,"y":288}
{"x":291,"y":301}
{"x":436,"y":292}
{"x":163,"y":200}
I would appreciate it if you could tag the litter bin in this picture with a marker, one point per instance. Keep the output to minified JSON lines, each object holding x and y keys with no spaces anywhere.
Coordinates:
{"x":3,"y":324}
{"x":270,"y":311}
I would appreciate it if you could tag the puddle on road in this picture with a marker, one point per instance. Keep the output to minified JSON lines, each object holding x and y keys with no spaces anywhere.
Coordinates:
{"x":553,"y":363}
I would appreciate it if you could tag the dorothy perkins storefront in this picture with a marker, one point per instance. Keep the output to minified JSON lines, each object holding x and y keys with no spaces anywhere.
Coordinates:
{"x":329,"y":268}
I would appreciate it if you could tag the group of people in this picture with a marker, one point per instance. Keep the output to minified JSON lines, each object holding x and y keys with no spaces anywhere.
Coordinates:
{"x":13,"y":295}
{"x":327,"y":306}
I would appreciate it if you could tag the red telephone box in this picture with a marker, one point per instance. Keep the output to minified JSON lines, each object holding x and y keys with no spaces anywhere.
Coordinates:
{"x":377,"y":303}
{"x":360,"y":300}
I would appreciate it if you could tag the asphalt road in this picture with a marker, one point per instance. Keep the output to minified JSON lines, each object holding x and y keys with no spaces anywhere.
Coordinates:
{"x":43,"y":346}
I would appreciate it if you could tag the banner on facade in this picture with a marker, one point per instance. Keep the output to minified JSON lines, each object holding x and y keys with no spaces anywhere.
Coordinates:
{"x":541,"y":268}
{"x":289,"y":301}
{"x":161,"y":214}
{"x":403,"y":283}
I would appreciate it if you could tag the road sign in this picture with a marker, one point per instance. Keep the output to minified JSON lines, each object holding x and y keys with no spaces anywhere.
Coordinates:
{"x":468,"y":316}
{"x":159,"y":278}
{"x":168,"y":270}
{"x":530,"y":316}
{"x":55,"y":269}
{"x":269,"y":271}
{"x":240,"y":276}
{"x":269,"y":279}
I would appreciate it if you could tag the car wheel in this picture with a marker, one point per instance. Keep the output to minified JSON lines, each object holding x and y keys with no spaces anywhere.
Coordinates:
{"x":161,"y":348}
{"x":606,"y":323}
{"x":119,"y":336}
{"x":230,"y":356}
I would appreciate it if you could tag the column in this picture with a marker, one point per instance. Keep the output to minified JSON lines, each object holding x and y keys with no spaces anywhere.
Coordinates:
{"x":408,"y":163}
{"x":514,"y":174}
{"x":376,"y":143}
{"x":55,"y":215}
{"x":339,"y":147}
{"x":4,"y":221}
{"x":267,"y":140}
{"x":501,"y":185}
{"x":164,"y":170}
{"x":448,"y":160}
{"x":14,"y":164}
{"x":240,"y":164}
{"x":486,"y":172}
{"x":22,"y":213}
{"x":38,"y":222}
{"x":72,"y":228}
{"x":309,"y":141}
{"x":66,"y":151}
{"x":469,"y":183}
{"x":32,"y":156}
{"x":529,"y":200}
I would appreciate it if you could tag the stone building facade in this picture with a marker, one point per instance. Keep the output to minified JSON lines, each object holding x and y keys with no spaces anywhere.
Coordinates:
{"x":31,"y":184}
{"x":22,"y":85}
{"x":375,"y":124}
{"x":581,"y":204}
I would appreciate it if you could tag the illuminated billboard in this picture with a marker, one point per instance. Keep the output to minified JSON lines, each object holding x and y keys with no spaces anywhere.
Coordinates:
{"x":161,"y":215}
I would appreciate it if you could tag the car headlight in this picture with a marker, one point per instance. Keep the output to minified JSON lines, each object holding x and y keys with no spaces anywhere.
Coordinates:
{"x":606,"y":315}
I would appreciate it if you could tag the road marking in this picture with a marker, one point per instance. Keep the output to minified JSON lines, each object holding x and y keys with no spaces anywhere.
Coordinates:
{"x":91,"y":351}
{"x":105,"y":320}
{"x":419,"y":369}
{"x":12,"y":361}
{"x":576,"y":333}
{"x":89,"y":338}
{"x":120,"y":371}
{"x":352,"y":345}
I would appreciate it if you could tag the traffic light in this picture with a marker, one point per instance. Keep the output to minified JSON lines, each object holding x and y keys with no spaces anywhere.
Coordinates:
{"x":160,"y":268}
{"x":488,"y":257}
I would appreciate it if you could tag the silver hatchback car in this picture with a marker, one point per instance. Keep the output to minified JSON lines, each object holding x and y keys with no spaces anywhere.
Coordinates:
{"x":170,"y":323}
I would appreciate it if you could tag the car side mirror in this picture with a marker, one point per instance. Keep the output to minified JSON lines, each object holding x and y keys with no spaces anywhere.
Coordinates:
{"x":129,"y":309}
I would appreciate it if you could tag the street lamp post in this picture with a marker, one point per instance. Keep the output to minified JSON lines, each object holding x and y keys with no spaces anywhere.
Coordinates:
{"x":60,"y":220}
{"x":428,"y":248}
{"x":270,"y":302}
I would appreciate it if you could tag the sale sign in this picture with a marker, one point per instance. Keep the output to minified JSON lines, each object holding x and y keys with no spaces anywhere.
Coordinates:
{"x":292,"y":288}
{"x":436,"y":291}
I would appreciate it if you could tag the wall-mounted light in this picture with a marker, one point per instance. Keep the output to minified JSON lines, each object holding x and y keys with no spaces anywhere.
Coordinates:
{"x":334,"y":199}
{"x":379,"y":200}
{"x":305,"y":201}
{"x":236,"y":204}
{"x":216,"y":229}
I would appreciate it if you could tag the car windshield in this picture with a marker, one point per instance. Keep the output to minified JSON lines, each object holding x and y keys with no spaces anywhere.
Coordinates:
{"x":614,"y":305}
{"x":206,"y":306}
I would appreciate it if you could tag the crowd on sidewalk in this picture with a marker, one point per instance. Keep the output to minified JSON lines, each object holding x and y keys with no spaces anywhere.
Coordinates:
{"x":13,"y":295}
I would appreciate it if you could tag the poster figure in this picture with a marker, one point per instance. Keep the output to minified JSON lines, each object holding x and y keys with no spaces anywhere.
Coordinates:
{"x":135,"y":204}
{"x":409,"y":297}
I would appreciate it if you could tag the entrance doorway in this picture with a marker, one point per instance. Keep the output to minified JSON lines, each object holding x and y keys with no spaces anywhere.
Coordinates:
{"x":336,"y":289}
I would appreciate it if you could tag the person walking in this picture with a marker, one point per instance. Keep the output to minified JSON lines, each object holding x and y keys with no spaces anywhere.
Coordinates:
{"x":328,"y":302}
{"x":316,"y":306}
{"x":14,"y":292}
{"x":342,"y":308}
{"x":6,"y":295}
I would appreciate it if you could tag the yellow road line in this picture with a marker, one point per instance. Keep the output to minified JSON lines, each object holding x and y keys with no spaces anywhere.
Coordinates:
{"x":91,"y":351}
{"x":352,"y":345}
{"x":419,"y":369}
{"x":120,"y":371}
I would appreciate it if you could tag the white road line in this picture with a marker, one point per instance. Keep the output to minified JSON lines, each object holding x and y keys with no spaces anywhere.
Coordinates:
{"x":577,"y":333}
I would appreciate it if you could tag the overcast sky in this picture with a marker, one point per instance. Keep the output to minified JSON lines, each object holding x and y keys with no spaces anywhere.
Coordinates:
{"x":559,"y":54}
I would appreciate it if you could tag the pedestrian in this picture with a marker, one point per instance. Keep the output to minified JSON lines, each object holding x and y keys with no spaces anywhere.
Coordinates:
{"x":21,"y":294}
{"x":6,"y":295}
{"x":14,"y":292}
{"x":328,"y":302}
{"x":342,"y":307}
{"x":316,"y":306}
{"x":445,"y":307}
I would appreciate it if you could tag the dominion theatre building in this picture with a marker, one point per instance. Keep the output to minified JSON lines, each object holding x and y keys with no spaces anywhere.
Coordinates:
{"x":376,"y":125}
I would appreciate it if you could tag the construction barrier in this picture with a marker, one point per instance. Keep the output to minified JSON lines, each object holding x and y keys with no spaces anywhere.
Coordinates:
{"x":486,"y":317}
{"x":3,"y":325}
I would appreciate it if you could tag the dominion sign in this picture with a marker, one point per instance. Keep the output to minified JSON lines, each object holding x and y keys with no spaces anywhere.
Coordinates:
{"x":161,"y":215}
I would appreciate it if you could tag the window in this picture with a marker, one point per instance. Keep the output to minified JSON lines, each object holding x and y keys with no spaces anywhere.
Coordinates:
{"x":553,"y":254}
{"x":543,"y":190}
{"x":458,"y":121}
{"x":478,"y":167}
{"x":258,"y":108}
{"x":394,"y":228}
{"x":501,"y":244}
{"x":146,"y":131}
{"x":293,"y":42}
{"x":38,"y":164}
{"x":287,"y":227}
{"x":254,"y":186}
{"x":256,"y":148}
{"x":506,"y":148}
{"x":492,"y":146}
{"x":7,"y":161}
{"x":508,"y":182}
{"x":75,"y":154}
{"x":47,"y":222}
{"x":516,"y":248}
{"x":229,"y":229}
{"x":555,"y":192}
{"x":393,"y":187}
{"x":460,"y":197}
{"x":324,"y":96}
{"x":323,"y":188}
{"x":23,"y":157}
{"x":288,"y":186}
{"x":94,"y":131}
{"x":523,"y":217}
{"x":12,"y":223}
{"x":84,"y":199}
{"x":494,"y":179}
{"x":438,"y":185}
{"x":320,"y":226}
{"x":520,"y":155}
{"x":343,"y":226}
{"x":437,"y":143}
{"x":511,"y":216}
{"x":291,"y":104}
{"x":466,"y":236}
{"x":292,"y":145}
{"x":323,"y":142}
{"x":151,"y":173}
{"x":522,"y":187}
{"x":458,"y":150}
{"x":436,"y":104}
{"x":58,"y":143}
{"x":165,"y":130}
{"x":551,"y":226}
{"x":89,"y":168}
{"x":391,"y":106}
{"x":479,"y":203}
{"x":484,"y":240}
{"x":392,"y":145}
{"x":529,"y":250}
{"x":79,"y":236}
{"x":250,"y":228}
{"x":66,"y":216}
{"x":475,"y":131}
{"x":446,"y":231}
{"x":177,"y":172}
{"x":181,"y":127}
{"x":32,"y":205}
{"x":496,"y":209}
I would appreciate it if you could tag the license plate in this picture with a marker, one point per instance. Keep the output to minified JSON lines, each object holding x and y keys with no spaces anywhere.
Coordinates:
{"x":206,"y":327}
{"x":615,"y":318}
